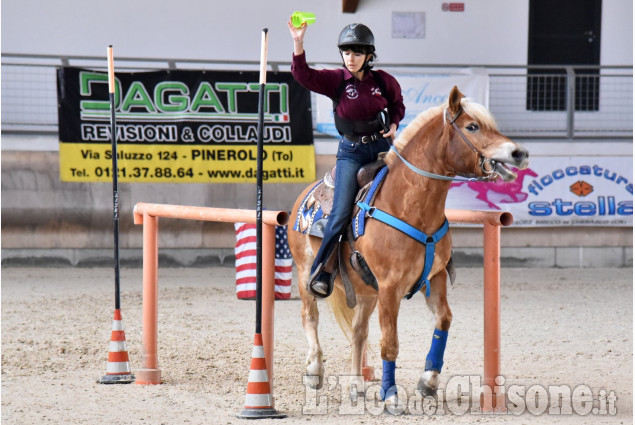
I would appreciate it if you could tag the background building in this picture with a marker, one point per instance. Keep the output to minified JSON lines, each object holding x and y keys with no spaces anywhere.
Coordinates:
{"x":514,"y":43}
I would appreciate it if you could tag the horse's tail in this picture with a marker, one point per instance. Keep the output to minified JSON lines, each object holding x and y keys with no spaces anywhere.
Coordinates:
{"x":343,"y":314}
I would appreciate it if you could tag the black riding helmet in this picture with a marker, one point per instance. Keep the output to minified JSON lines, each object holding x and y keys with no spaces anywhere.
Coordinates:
{"x":356,"y":35}
{"x":358,"y":38}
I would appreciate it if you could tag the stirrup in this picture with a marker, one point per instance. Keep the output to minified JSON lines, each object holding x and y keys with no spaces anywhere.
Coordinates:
{"x":311,"y":281}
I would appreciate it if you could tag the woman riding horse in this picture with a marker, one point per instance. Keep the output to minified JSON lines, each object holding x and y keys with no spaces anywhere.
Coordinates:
{"x":359,"y":95}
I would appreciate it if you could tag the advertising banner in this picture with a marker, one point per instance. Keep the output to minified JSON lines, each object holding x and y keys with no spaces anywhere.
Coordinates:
{"x":420,"y":92}
{"x":558,"y":191}
{"x":183,"y":126}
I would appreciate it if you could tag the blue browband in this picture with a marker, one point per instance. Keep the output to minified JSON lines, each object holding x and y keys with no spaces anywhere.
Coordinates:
{"x":429,"y":241}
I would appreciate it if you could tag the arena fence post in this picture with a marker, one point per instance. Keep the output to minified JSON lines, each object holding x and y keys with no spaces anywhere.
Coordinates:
{"x":491,"y":401}
{"x":150,"y":372}
{"x":268,"y":294}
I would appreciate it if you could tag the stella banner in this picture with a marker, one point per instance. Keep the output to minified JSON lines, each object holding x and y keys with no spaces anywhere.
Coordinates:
{"x":558,"y":191}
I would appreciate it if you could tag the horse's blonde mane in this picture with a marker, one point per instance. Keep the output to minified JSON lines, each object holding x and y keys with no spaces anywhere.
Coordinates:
{"x":471,"y":108}
{"x":420,"y":120}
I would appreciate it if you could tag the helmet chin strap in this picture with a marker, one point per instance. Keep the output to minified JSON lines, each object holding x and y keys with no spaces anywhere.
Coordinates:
{"x":366,"y":60}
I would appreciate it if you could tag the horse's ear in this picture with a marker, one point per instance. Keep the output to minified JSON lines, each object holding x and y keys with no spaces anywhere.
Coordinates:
{"x":454,"y":101}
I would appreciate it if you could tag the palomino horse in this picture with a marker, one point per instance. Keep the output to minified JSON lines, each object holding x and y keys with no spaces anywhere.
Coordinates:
{"x":457,"y":141}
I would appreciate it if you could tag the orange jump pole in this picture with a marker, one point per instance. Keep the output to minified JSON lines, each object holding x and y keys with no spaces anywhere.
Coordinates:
{"x":148,"y":215}
{"x":268,"y":295}
{"x":150,"y":372}
{"x":492,"y":222}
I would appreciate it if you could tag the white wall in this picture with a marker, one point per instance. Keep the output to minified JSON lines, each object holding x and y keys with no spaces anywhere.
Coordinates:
{"x":491,"y":32}
{"x":616,"y":45}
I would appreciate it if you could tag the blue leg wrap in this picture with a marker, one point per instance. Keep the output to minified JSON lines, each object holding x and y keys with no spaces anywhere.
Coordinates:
{"x":434,"y":360}
{"x":388,"y":380}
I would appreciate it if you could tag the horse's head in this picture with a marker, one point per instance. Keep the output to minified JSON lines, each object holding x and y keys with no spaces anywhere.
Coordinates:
{"x":475,"y":146}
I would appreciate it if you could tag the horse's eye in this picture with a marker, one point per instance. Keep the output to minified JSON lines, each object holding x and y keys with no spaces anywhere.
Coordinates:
{"x":472,"y":127}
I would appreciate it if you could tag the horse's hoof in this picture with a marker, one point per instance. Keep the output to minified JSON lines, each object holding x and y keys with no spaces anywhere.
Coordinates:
{"x":426,"y":389}
{"x":395,"y":405}
{"x":428,"y":383}
{"x":313,"y":381}
{"x":355,"y":392}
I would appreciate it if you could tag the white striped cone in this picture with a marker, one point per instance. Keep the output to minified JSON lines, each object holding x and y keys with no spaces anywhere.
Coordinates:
{"x":258,"y":402}
{"x":258,"y":390}
{"x":118,"y":366}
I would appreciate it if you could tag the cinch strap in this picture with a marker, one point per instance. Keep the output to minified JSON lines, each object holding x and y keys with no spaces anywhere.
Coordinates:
{"x":434,"y":360}
{"x":359,"y":221}
{"x":388,"y":380}
{"x":430,"y":242}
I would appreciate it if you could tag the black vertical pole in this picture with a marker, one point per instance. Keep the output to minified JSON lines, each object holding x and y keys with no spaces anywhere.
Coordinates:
{"x":119,"y":374}
{"x":266,"y":409}
{"x":261,"y":102}
{"x":115,"y":184}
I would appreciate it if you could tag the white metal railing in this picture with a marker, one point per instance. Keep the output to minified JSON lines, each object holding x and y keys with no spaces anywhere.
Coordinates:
{"x":537,"y":101}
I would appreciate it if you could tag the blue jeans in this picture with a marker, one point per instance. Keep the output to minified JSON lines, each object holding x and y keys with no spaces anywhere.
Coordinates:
{"x":351,"y":156}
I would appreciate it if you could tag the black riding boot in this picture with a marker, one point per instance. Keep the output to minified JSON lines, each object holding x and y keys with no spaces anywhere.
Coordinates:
{"x":320,"y":283}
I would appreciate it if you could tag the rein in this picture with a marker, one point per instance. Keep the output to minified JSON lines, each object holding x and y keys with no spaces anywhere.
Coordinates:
{"x":484,"y":162}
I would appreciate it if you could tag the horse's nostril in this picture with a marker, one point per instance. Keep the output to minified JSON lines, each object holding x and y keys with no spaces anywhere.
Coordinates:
{"x":520,"y":155}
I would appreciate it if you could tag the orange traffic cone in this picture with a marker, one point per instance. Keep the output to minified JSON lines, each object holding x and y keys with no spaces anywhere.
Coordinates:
{"x":368,"y":372}
{"x":258,"y":403}
{"x":118,"y":367}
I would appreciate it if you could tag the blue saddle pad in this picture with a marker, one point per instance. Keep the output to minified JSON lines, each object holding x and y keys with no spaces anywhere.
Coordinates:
{"x":311,"y":217}
{"x":309,"y":212}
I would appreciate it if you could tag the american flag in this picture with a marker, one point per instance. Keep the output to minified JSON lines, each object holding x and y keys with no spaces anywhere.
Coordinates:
{"x":245,"y":251}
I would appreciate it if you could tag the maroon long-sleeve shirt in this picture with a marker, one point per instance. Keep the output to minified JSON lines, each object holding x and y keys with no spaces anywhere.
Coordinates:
{"x":361,"y":100}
